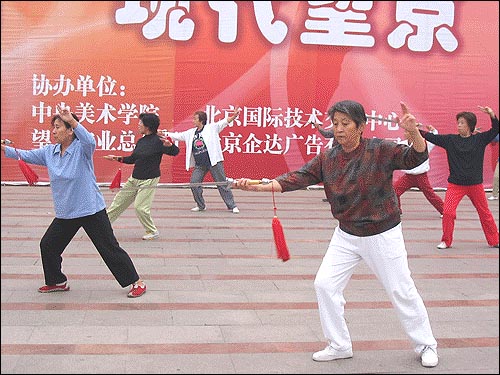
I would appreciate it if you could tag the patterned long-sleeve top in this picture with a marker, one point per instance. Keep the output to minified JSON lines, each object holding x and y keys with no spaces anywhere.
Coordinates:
{"x":358,"y":184}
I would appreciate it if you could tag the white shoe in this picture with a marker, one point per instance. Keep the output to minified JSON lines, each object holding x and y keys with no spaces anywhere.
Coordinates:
{"x":151,"y":236}
{"x":198,"y":209}
{"x":493,"y":198}
{"x":236,"y":210}
{"x":442,"y":245}
{"x":429,"y":357}
{"x":330,"y":354}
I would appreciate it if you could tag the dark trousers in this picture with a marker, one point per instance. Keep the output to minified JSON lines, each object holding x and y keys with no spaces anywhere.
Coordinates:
{"x":98,"y":228}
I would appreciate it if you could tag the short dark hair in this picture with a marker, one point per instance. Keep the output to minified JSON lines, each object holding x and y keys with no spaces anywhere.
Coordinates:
{"x":67,"y":124}
{"x":150,"y":120}
{"x":470,"y":118}
{"x":202,"y":116}
{"x":351,"y":108}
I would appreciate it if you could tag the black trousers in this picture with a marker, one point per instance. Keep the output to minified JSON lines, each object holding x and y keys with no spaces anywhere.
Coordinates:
{"x":98,"y":228}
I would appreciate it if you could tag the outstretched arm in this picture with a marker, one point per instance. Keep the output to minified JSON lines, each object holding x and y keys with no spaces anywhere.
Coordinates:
{"x":114,"y":157}
{"x":256,"y":185}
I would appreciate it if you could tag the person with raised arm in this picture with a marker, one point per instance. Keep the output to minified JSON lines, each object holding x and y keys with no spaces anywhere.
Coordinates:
{"x":78,"y":203}
{"x":204,"y":155}
{"x":465,"y":154}
{"x":357,"y":177}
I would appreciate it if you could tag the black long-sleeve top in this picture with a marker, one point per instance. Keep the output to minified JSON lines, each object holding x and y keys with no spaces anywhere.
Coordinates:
{"x":465,"y":155}
{"x":147,"y":156}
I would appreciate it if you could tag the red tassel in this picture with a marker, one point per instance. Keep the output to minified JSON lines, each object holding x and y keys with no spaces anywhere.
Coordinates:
{"x":117,"y":181}
{"x":279,"y":240}
{"x":279,"y":235}
{"x":29,"y":173}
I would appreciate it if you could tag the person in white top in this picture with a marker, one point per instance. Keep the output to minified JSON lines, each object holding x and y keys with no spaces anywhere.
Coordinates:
{"x":417,"y":177}
{"x":204,"y":154}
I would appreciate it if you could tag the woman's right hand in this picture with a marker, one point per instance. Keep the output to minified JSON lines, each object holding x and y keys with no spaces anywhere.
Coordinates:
{"x":112,"y":157}
{"x":65,"y":114}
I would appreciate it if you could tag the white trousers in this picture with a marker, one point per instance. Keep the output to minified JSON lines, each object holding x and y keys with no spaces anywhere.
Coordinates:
{"x":386,"y":256}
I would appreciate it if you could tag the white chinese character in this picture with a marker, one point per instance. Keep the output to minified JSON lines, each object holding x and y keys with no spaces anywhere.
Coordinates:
{"x":63,"y":86}
{"x":42,"y":111}
{"x":228,"y":113}
{"x":272,"y":117}
{"x":106,"y":86}
{"x":292,"y":117}
{"x":273,"y":145}
{"x":148,"y":108}
{"x":41,"y":86}
{"x":313,"y":144}
{"x":105,"y":142}
{"x":40,"y":137}
{"x":314,"y":117}
{"x":85,"y":84}
{"x":180,"y":27}
{"x":212,"y":113}
{"x":334,"y":25}
{"x":252,"y":145}
{"x":379,"y":120}
{"x":85,"y":112}
{"x":273,"y":30}
{"x":228,"y":19}
{"x":127,"y":141}
{"x":231,"y":143}
{"x":252,"y":116}
{"x":106,"y":114}
{"x":293,"y":137}
{"x":129,"y":111}
{"x":430,"y":18}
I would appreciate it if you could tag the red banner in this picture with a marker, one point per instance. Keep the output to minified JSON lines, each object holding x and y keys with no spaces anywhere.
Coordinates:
{"x":284,"y":62}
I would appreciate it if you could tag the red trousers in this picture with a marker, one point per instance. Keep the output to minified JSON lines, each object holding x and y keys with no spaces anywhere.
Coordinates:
{"x":476,"y":194}
{"x":421,"y":181}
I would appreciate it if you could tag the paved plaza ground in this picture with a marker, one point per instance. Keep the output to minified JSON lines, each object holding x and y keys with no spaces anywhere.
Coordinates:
{"x":219,"y":301}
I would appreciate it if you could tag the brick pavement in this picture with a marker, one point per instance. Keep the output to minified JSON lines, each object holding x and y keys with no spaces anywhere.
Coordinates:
{"x":219,"y":301}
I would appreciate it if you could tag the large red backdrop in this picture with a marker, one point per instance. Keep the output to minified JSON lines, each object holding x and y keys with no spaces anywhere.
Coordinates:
{"x":284,"y":62}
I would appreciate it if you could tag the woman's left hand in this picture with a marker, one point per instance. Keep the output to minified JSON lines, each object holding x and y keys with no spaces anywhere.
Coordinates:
{"x":408,"y":121}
